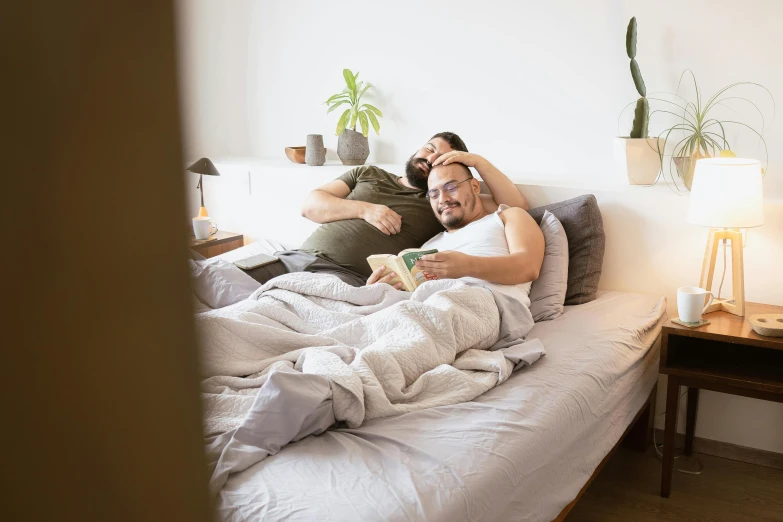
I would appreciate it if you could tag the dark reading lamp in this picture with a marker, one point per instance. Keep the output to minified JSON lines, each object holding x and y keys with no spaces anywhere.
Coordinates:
{"x":202,"y":167}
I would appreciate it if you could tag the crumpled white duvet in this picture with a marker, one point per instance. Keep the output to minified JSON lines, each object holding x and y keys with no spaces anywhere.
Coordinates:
{"x":385,"y":352}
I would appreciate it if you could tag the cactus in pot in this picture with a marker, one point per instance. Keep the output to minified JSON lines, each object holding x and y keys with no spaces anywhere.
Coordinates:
{"x":641,"y":115}
{"x":637,"y":155}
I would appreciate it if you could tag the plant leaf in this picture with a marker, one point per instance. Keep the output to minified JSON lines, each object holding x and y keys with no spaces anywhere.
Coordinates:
{"x":715,"y":96}
{"x":367,"y":86}
{"x":354,"y":115}
{"x":333,"y":107}
{"x":373,"y":109}
{"x":374,"y":121}
{"x":757,"y":133}
{"x":350,"y":80}
{"x":336,"y":97}
{"x":363,"y":122}
{"x":342,"y":122}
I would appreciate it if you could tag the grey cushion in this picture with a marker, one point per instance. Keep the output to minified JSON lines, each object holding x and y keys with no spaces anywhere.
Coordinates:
{"x":548,"y":293}
{"x":218,"y":283}
{"x":584,"y":228}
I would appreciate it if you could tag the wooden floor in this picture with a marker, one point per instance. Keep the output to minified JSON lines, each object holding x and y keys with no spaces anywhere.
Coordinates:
{"x":627,"y":489}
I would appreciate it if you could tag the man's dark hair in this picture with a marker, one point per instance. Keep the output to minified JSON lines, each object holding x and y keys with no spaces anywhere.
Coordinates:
{"x":454,"y":141}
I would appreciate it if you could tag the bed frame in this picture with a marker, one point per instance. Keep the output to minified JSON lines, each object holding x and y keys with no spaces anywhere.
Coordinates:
{"x":638,"y":436}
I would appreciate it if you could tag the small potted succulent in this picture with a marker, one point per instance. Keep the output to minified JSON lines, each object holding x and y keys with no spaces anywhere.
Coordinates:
{"x":353,"y":147}
{"x":638,"y":155}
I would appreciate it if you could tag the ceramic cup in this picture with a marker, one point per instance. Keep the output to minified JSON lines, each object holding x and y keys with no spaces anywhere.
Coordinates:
{"x":203,"y":227}
{"x":690,"y":303}
{"x":315,"y":155}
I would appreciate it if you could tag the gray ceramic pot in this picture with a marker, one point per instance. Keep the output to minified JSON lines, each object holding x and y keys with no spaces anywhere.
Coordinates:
{"x":315,"y":153}
{"x":352,"y":148}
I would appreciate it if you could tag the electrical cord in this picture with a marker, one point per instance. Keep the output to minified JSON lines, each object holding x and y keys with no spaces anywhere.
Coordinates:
{"x":658,"y":448}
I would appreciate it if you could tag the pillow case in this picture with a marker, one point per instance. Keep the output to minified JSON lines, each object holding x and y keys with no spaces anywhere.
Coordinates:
{"x":218,"y":283}
{"x":548,"y":292}
{"x":584,"y":228}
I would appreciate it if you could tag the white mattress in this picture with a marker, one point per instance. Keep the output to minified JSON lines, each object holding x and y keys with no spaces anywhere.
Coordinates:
{"x":520,"y":452}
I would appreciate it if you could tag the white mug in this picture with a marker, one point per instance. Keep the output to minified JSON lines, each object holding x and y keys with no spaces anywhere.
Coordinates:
{"x":690,"y":303}
{"x":203,"y":227}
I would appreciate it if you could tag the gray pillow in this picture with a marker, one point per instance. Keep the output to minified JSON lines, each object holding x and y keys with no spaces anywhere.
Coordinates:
{"x":218,"y":283}
{"x":581,"y":220}
{"x":548,"y":292}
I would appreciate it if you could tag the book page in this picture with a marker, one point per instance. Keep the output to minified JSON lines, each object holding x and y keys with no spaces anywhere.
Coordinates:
{"x":392,"y":264}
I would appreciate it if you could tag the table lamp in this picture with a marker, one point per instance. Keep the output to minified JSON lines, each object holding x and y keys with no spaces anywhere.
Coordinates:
{"x":201,"y":167}
{"x":726,"y":196}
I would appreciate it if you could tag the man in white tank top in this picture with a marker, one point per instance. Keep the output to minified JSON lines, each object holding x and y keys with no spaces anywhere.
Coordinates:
{"x":501,"y":247}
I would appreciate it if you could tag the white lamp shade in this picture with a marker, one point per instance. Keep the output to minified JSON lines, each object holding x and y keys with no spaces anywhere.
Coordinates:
{"x":727,"y":193}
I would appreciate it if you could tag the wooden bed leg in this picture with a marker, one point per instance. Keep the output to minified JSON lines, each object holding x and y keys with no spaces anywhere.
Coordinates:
{"x":640,"y":435}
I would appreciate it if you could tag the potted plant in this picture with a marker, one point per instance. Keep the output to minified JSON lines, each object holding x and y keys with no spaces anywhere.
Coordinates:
{"x":353,"y":147}
{"x":637,"y":154}
{"x":698,"y":133}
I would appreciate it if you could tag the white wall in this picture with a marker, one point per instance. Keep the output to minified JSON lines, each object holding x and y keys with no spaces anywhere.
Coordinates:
{"x":536,"y":87}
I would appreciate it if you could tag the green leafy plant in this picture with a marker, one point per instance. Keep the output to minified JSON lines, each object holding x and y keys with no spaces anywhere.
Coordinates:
{"x":356,"y":111}
{"x":697,"y":133}
{"x":641,"y":116}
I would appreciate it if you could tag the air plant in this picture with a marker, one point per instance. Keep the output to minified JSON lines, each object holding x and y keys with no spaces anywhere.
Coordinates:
{"x":697,"y":133}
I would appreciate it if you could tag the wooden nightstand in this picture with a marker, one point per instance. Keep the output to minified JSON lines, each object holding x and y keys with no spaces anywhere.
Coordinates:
{"x":726,"y":356}
{"x":217,"y":244}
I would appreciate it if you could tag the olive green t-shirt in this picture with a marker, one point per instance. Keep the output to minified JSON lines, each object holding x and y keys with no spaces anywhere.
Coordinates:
{"x":349,"y":242}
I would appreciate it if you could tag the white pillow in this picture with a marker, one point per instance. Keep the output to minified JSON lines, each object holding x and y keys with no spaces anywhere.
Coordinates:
{"x":218,"y":283}
{"x":547,"y":294}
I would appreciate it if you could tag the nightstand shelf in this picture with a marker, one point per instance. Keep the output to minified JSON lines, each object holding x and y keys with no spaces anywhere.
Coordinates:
{"x":726,"y":356}
{"x":219,"y":243}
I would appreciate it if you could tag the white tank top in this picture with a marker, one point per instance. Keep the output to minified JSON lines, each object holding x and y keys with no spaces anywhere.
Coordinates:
{"x":483,"y":238}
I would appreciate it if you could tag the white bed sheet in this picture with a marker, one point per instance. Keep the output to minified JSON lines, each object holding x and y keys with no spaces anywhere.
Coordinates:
{"x":519,"y":452}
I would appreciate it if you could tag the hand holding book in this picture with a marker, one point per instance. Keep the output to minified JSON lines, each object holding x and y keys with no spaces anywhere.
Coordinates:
{"x":383,"y":274}
{"x":407,"y":276}
{"x":446,"y":265}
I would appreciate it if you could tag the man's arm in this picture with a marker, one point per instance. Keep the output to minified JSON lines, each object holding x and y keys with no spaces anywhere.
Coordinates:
{"x":328,"y":203}
{"x":522,"y":265}
{"x":526,"y":252}
{"x":504,"y":192}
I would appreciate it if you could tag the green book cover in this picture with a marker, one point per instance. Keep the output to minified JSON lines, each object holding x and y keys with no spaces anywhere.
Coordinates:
{"x":411,"y":257}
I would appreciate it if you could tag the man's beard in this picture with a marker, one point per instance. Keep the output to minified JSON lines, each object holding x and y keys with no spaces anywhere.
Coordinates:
{"x":414,"y":174}
{"x":453,"y":221}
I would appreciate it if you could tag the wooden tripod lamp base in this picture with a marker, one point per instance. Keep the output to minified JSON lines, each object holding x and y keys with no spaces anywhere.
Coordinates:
{"x":734,"y":305}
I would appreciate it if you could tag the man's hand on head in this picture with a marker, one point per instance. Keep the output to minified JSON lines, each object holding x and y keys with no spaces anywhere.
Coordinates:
{"x":466,"y":158}
{"x":383,"y":218}
{"x":379,"y":275}
{"x":446,"y":265}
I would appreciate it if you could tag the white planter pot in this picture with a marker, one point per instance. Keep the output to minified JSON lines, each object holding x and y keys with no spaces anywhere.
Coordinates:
{"x":637,"y":159}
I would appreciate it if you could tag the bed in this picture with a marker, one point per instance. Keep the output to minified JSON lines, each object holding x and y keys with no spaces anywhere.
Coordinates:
{"x":522,"y":451}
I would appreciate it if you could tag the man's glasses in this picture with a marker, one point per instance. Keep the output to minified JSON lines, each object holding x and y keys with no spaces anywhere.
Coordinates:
{"x":449,"y":188}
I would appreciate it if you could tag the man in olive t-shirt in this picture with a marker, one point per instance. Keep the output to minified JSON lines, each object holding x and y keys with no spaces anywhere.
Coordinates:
{"x":370,"y":211}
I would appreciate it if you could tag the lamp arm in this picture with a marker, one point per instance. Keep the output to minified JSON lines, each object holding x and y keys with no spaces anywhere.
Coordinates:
{"x":201,"y":188}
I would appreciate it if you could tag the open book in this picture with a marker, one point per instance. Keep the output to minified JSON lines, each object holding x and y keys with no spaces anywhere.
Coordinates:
{"x":404,"y":265}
